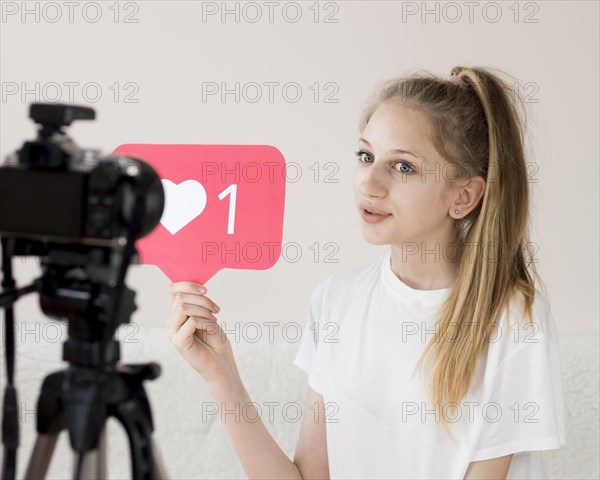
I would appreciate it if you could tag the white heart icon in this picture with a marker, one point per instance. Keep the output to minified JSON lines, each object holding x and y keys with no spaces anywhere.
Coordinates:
{"x":183,"y":203}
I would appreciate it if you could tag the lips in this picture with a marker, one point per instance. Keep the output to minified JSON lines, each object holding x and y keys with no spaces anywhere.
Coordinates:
{"x":372,"y":209}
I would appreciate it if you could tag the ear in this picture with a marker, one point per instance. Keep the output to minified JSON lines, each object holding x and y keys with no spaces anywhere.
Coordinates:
{"x":467,"y":195}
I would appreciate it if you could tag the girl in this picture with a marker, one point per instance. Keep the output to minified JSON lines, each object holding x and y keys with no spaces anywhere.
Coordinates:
{"x":440,"y":177}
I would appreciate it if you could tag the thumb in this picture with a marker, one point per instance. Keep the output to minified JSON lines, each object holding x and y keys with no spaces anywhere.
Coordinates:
{"x":211,"y":334}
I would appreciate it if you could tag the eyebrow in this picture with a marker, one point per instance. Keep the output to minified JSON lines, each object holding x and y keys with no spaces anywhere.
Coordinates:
{"x":397,"y":150}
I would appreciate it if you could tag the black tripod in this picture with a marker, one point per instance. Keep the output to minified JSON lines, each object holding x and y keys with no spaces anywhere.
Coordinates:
{"x":94,"y":386}
{"x":81,"y":399}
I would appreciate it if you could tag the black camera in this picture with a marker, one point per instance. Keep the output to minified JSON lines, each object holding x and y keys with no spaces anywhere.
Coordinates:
{"x":58,"y":192}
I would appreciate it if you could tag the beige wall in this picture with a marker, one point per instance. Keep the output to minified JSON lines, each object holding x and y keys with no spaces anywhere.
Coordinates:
{"x":164,"y":59}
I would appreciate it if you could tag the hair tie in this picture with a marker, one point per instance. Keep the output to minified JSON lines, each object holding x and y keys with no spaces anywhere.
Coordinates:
{"x":456,"y":79}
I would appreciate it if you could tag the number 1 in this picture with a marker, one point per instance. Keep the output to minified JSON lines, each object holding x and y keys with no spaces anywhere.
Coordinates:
{"x":231,"y":217}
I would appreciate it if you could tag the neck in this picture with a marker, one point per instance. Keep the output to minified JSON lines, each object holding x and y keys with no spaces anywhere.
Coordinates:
{"x":429,"y":268}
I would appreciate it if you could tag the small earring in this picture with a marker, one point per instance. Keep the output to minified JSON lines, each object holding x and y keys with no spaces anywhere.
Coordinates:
{"x":455,"y":211}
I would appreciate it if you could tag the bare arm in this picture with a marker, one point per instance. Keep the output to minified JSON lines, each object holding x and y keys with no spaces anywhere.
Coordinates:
{"x":259,"y":454}
{"x":195,"y":333}
{"x":311,"y":451}
{"x":492,"y":469}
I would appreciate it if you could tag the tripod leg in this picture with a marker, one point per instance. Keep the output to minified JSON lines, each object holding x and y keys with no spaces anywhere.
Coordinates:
{"x":157,"y":463}
{"x":41,"y":455}
{"x":91,"y":465}
{"x":102,"y":454}
{"x":49,"y":423}
{"x":85,"y":465}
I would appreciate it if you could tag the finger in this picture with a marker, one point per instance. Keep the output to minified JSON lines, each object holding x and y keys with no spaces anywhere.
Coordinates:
{"x":194,"y":325}
{"x":195,"y":299}
{"x":186,"y":287}
{"x":201,"y":308}
{"x":183,"y":338}
{"x":205,"y":329}
{"x":176,"y":320}
{"x":205,"y":325}
{"x":204,"y":333}
{"x":194,"y":310}
{"x":181,"y":314}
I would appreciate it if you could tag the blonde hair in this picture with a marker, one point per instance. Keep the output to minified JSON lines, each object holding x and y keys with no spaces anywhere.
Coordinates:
{"x":481,"y":132}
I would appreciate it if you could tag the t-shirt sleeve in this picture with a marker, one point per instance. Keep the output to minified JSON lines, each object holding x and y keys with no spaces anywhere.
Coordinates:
{"x":525,"y":411}
{"x":307,"y":357}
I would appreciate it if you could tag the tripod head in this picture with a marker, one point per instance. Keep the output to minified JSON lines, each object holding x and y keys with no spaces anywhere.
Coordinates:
{"x":79,"y":284}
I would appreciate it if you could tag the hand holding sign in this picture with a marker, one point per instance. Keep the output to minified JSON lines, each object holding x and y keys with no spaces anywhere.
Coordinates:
{"x":193,"y":329}
{"x":223,"y":208}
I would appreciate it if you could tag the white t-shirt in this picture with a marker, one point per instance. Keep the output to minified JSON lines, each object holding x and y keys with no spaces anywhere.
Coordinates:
{"x":365,"y":332}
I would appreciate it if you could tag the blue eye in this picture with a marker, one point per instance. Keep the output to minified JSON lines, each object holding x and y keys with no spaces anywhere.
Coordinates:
{"x":405,"y":171}
{"x":360,"y":153}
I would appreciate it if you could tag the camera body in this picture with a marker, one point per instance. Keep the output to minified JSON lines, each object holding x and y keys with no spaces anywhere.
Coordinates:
{"x":81,"y":214}
{"x":57,"y":192}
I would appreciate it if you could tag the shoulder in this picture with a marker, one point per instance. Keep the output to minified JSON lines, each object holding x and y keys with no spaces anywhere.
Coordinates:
{"x":346,"y":283}
{"x":520,"y":333}
{"x":539,"y":318}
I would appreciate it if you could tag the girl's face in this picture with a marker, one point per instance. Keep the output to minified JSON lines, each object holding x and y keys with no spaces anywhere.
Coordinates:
{"x":409,"y":187}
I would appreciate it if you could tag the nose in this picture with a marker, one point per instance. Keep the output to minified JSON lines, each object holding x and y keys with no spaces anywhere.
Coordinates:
{"x":373,"y":183}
